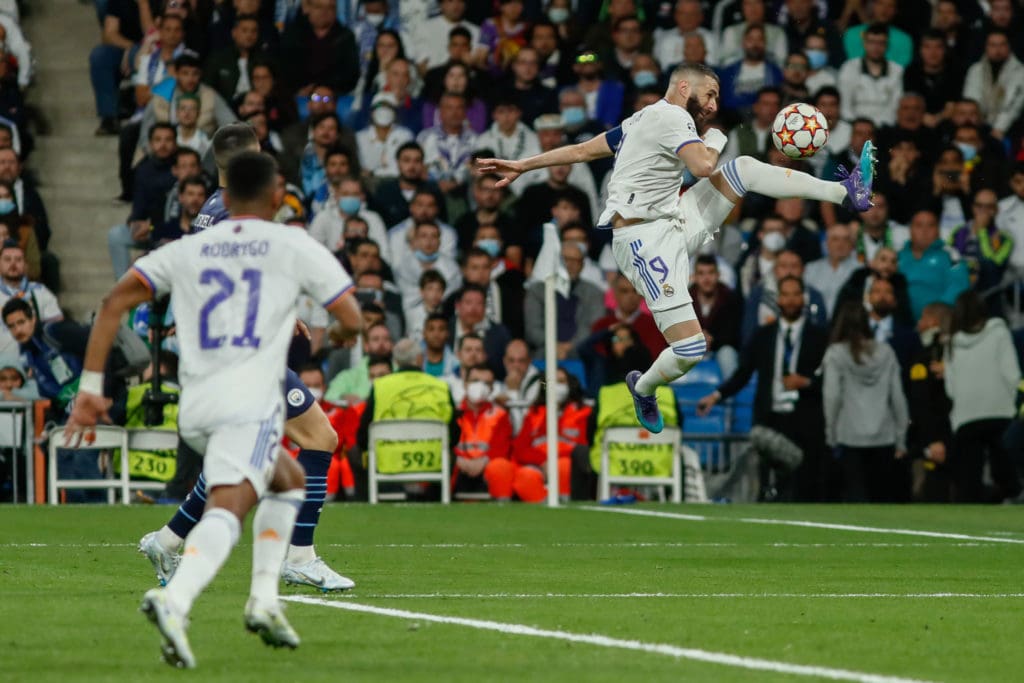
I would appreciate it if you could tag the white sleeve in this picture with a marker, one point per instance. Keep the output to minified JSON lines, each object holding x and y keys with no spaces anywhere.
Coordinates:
{"x":157,"y":267}
{"x":320,"y":275}
{"x":49,"y":309}
{"x":675,"y":130}
{"x":847,"y":86}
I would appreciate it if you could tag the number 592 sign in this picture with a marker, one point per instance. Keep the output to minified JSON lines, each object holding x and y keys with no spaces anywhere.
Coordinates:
{"x":413,"y":455}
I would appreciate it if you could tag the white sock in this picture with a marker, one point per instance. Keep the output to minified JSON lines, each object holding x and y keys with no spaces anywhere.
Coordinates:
{"x":672,"y":363}
{"x":301,"y":554}
{"x":168,"y":540}
{"x":747,"y":174}
{"x":206,"y":549}
{"x":271,"y":530}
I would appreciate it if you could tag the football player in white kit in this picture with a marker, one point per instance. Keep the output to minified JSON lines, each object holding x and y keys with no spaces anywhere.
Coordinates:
{"x":235,"y":287}
{"x":655,"y":231}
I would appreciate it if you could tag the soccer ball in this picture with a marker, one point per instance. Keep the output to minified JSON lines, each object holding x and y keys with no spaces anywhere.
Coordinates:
{"x":799,"y":131}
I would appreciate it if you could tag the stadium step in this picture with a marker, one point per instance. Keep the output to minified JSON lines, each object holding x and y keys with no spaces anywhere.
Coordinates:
{"x":77,"y":171}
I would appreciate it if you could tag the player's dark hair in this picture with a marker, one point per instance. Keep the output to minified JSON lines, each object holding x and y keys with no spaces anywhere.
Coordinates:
{"x":688,"y":70}
{"x":15,"y":305}
{"x":251,"y":176}
{"x":230,"y":140}
{"x":706,"y":260}
{"x":432,"y":275}
{"x":163,"y":125}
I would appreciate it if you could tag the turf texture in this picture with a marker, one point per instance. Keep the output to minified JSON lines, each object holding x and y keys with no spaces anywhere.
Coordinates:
{"x":844,"y":599}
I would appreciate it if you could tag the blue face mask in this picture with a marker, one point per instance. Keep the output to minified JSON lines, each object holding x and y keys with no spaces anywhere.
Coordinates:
{"x":574,"y":116}
{"x":424,"y":257}
{"x":969,"y":152}
{"x":817,"y":59}
{"x":350,"y":205}
{"x":645,"y":79}
{"x":6,"y":206}
{"x":490,"y":245}
{"x":558,"y":15}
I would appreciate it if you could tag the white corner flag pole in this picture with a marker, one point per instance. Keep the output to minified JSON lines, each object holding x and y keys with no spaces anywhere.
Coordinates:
{"x":549,"y":269}
{"x":551,"y":379}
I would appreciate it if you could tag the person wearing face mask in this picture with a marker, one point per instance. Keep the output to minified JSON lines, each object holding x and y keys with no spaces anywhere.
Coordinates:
{"x":627,"y":36}
{"x":930,"y":436}
{"x":996,"y":82}
{"x":19,"y":229}
{"x":348,"y":201}
{"x":757,"y":268}
{"x":820,"y":74}
{"x":985,"y":166}
{"x":602,"y":95}
{"x":488,"y":199}
{"x":373,"y":17}
{"x":425,"y":246}
{"x":378,"y":143}
{"x":485,"y":437}
{"x":524,"y":475}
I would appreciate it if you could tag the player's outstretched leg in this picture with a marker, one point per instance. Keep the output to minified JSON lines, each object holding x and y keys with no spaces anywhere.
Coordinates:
{"x":853,"y":190}
{"x":671,"y":364}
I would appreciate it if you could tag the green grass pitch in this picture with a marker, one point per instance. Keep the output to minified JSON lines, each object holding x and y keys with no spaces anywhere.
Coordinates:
{"x":852,"y":600}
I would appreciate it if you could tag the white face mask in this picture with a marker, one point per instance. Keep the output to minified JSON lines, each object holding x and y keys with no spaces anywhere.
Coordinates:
{"x":317,"y":392}
{"x":773,"y":241}
{"x":561,"y":392}
{"x":383,"y":116}
{"x":477,"y":392}
{"x":376,"y":19}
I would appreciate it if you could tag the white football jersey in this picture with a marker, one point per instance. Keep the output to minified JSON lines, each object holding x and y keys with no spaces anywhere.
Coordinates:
{"x":647,"y":175}
{"x":235,"y":287}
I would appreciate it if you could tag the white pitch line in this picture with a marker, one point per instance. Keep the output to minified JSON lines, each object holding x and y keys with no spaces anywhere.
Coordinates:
{"x":723,"y":658}
{"x":511,"y":546}
{"x":616,"y":596}
{"x":803,"y":523}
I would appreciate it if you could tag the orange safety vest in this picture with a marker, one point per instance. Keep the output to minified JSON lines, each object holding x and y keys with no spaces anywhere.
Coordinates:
{"x":530,"y":445}
{"x":485,"y":434}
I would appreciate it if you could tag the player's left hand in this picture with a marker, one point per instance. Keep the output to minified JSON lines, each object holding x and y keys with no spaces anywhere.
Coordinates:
{"x":507,"y":168}
{"x":301,"y":329}
{"x":86,"y":412}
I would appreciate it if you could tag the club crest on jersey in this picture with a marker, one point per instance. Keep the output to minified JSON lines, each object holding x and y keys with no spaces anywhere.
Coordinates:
{"x":296,"y":398}
{"x":668,"y":289}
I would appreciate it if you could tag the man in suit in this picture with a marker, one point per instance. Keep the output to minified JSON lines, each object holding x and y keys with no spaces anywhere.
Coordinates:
{"x":887,"y":326}
{"x":471,"y":316}
{"x":762,"y":306}
{"x":786,"y":354}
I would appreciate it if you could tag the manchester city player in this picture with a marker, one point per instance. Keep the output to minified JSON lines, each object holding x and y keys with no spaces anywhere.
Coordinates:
{"x":306,"y":425}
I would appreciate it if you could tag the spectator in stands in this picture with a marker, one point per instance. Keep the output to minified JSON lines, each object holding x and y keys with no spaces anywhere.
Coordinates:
{"x":719,"y":310}
{"x":425,"y":245}
{"x":521,"y":383}
{"x":757,"y":267}
{"x":951,"y":190}
{"x":124,"y":24}
{"x":820,"y":74}
{"x":938,"y":79}
{"x":984,"y":165}
{"x":337,"y":167}
{"x":761,"y":305}
{"x":502,"y":37}
{"x":188,"y":132}
{"x":432,"y":290}
{"x":861,"y":130}
{"x":888,"y":325}
{"x":934,"y":271}
{"x":295,"y":137}
{"x":25,"y":195}
{"x":627,"y":37}
{"x":393,"y":196}
{"x":551,"y":134}
{"x":742,"y":80}
{"x":325,"y":131}
{"x":802,"y":23}
{"x":280,"y":110}
{"x":554,"y":58}
{"x":469,"y":353}
{"x":488,"y":199}
{"x":900,"y":47}
{"x":909,"y":125}
{"x":949,"y":22}
{"x":316,"y":48}
{"x":227,"y":70}
{"x":904,"y":179}
{"x":153,"y":179}
{"x":574,"y":232}
{"x":438,"y":359}
{"x":191,"y":197}
{"x":1010,"y":216}
{"x":866,"y":414}
{"x":628,"y":311}
{"x":354,"y":384}
{"x":801,"y":232}
{"x":786,"y":355}
{"x":424,"y":208}
{"x":871,"y":85}
{"x":505,"y":289}
{"x":754,"y":14}
{"x":996,"y":82}
{"x":829,"y":273}
{"x":983,"y":246}
{"x":523,"y":84}
{"x":981,"y":373}
{"x":380,"y":141}
{"x":373,"y":288}
{"x":433,"y":35}
{"x":578,"y":126}
{"x":408,"y":393}
{"x":471,"y":316}
{"x":669,"y":42}
{"x":525,"y":474}
{"x":459,"y":79}
{"x":15,"y":284}
{"x":753,"y":139}
{"x":793,"y":87}
{"x":882,"y":267}
{"x":508,"y":137}
{"x":345,"y":201}
{"x":152,"y":67}
{"x":19,"y":229}
{"x":576,"y":313}
{"x":930,"y":436}
{"x":603,"y":96}
{"x":540,"y":202}
{"x":876,"y":230}
{"x":447,"y":147}
{"x":485,"y":434}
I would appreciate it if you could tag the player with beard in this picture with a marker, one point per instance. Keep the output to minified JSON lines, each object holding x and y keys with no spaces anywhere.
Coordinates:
{"x":655,"y":231}
{"x":306,"y":425}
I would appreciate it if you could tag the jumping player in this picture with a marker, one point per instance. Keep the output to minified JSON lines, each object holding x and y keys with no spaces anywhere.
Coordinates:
{"x":235,"y":289}
{"x":306,"y":425}
{"x":655,"y":231}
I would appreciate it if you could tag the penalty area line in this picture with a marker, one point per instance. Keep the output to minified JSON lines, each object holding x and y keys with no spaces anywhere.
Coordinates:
{"x":694,"y":654}
{"x":806,"y":524}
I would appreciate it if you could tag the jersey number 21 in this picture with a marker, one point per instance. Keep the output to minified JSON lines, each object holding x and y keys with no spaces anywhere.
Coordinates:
{"x":226,"y":288}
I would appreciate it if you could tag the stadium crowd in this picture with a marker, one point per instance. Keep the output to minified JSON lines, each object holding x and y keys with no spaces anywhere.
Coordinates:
{"x":880,"y":342}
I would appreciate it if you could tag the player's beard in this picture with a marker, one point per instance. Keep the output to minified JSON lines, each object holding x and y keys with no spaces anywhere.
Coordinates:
{"x":695,"y":110}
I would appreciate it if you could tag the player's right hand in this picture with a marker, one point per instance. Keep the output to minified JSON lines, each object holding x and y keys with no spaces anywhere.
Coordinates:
{"x":508,"y":169}
{"x":86,"y":412}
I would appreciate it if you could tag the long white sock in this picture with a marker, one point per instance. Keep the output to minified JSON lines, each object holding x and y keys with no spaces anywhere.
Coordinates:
{"x":672,"y":363}
{"x":168,"y":540}
{"x":747,"y":174}
{"x":206,"y":549}
{"x":301,"y":554}
{"x":271,"y":531}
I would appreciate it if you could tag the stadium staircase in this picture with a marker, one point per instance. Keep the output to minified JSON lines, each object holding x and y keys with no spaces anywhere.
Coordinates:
{"x":77,"y":171}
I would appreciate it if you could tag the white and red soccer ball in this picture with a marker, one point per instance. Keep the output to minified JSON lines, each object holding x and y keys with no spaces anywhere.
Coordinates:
{"x":799,"y":131}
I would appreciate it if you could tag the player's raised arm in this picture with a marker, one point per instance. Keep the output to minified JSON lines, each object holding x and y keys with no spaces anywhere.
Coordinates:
{"x":510,"y":169}
{"x":701,"y":159}
{"x":346,"y":311}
